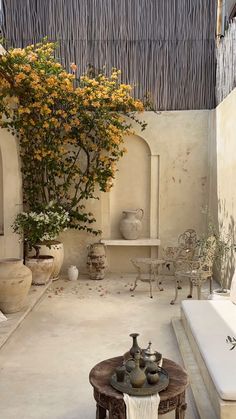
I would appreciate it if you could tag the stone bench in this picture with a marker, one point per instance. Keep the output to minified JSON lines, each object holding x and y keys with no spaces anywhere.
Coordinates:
{"x":207,"y":324}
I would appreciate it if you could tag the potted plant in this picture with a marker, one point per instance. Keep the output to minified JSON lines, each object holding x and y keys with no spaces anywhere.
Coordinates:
{"x":223,"y":248}
{"x":36,"y":229}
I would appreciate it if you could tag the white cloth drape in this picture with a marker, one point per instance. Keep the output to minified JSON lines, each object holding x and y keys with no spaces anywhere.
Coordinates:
{"x":2,"y":317}
{"x":142,"y":407}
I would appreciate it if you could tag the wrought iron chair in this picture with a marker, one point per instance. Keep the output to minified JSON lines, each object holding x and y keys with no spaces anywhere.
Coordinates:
{"x":187,"y":242}
{"x":197,"y":270}
{"x":186,"y":249}
{"x":188,"y":239}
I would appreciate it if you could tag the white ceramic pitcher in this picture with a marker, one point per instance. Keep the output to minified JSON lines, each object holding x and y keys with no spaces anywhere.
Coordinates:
{"x":130,"y":224}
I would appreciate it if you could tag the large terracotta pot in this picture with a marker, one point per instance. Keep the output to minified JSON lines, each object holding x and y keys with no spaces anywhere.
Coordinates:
{"x":41,"y":268}
{"x":56,"y":250}
{"x":15,"y":282}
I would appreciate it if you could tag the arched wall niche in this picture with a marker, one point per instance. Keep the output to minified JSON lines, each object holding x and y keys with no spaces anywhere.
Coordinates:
{"x":136,"y":186}
{"x":131,"y":188}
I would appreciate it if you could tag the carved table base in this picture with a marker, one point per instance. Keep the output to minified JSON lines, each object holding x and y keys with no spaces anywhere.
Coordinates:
{"x":109,"y":399}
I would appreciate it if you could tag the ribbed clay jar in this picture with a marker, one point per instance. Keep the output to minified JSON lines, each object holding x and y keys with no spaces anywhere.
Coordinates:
{"x":15,"y":282}
{"x":97,"y":261}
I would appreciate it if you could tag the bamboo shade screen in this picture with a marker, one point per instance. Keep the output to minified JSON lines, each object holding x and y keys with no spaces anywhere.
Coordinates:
{"x":165,"y":47}
{"x":226,"y":63}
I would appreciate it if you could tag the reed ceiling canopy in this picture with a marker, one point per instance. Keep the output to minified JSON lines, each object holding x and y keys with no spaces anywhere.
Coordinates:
{"x":164,"y":47}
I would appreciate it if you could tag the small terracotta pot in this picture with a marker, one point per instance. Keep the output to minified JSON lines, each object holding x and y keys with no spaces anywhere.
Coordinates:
{"x":41,"y":268}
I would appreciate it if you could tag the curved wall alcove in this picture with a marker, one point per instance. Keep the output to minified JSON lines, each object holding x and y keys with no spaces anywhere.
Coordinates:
{"x":136,"y":185}
{"x":174,"y":146}
{"x":132,"y":185}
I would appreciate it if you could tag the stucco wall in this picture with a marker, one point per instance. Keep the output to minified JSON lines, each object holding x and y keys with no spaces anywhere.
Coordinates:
{"x":175,"y":144}
{"x":181,"y":140}
{"x":164,"y":172}
{"x":12,"y":194}
{"x":223,"y":165}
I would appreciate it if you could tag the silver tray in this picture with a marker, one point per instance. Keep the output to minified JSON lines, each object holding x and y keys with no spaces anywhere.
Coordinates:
{"x":146,"y":390}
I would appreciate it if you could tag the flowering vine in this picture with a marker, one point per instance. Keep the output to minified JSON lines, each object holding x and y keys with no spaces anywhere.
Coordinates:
{"x":70,"y":128}
{"x":40,"y":227}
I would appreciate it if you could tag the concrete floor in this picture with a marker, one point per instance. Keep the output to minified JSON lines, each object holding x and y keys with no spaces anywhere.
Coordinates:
{"x":44,"y":366}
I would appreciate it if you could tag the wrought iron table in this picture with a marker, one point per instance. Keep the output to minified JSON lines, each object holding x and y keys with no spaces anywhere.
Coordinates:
{"x":154,"y":265}
{"x":109,"y":399}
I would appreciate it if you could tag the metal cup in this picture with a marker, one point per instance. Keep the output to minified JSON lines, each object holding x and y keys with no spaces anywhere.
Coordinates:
{"x":120,"y":374}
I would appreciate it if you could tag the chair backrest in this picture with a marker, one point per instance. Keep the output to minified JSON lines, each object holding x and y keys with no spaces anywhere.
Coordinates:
{"x":188,"y":239}
{"x":170,"y":253}
{"x":187,"y":243}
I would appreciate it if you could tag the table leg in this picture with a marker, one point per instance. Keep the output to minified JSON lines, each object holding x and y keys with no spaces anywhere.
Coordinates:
{"x":150,"y":284}
{"x":190,"y":289}
{"x":117,"y":410}
{"x":181,"y":408}
{"x":180,"y":411}
{"x":155,"y":272}
{"x":138,"y":278}
{"x":179,"y":286}
{"x":159,"y":282}
{"x":135,"y":284}
{"x":101,"y":413}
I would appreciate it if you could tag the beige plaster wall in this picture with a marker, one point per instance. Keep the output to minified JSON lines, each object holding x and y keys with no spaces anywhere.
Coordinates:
{"x":12,"y":194}
{"x":223,"y":168}
{"x":164,"y":172}
{"x":183,"y":161}
{"x":181,"y":140}
{"x":175,"y":147}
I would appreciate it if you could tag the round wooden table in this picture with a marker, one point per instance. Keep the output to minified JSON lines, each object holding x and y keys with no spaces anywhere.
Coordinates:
{"x":109,"y":399}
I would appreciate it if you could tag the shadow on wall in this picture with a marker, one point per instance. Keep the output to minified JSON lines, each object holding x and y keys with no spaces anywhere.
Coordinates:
{"x":227,"y":229}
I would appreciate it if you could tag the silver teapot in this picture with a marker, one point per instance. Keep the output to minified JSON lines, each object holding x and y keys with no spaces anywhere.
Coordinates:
{"x":149,"y":355}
